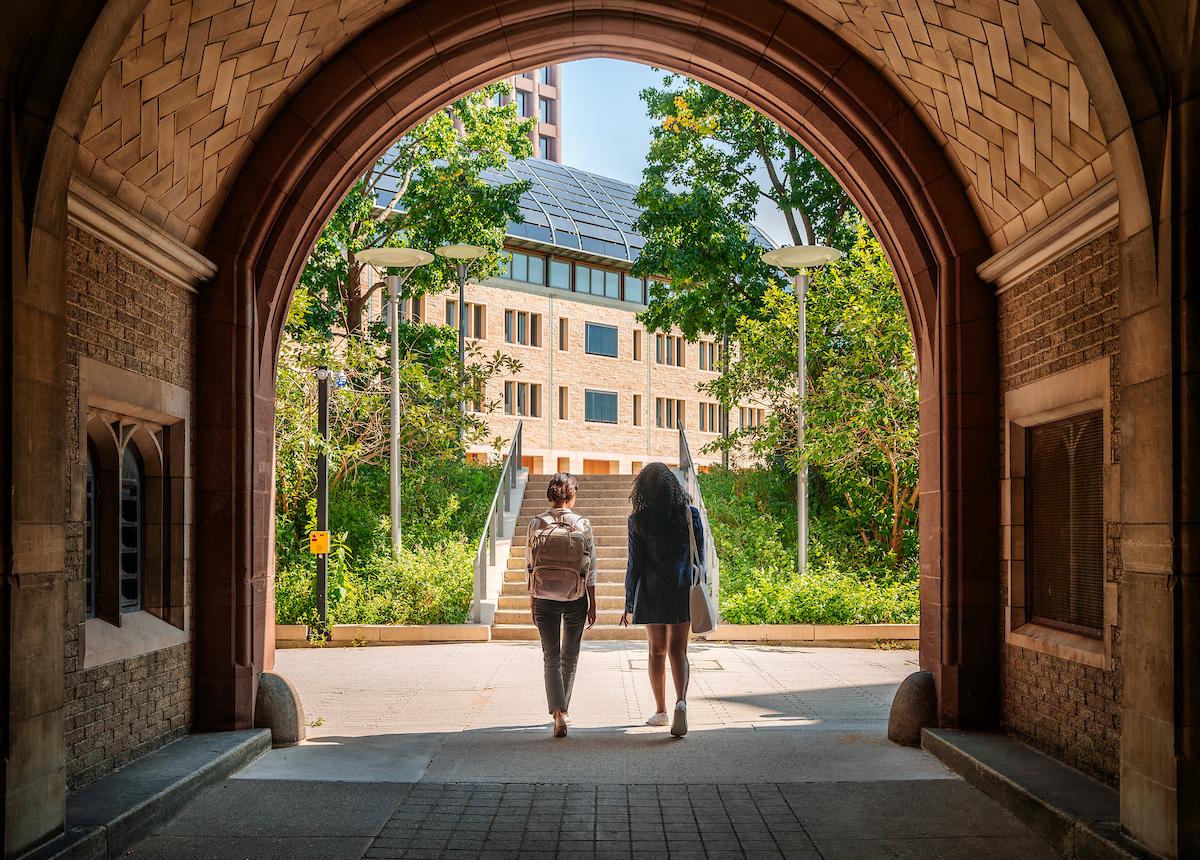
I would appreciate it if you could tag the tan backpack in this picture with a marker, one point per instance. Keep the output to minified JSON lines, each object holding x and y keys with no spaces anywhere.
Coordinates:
{"x":556,"y":556}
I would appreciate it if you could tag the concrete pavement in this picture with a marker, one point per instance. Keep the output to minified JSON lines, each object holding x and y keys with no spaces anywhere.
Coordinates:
{"x":444,"y":751}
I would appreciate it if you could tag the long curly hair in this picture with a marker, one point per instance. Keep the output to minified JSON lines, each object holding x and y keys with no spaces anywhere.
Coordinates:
{"x":659,"y":500}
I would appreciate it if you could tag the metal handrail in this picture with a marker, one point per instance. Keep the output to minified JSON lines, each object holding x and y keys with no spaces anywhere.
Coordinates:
{"x":691,"y":483}
{"x":485,"y":551}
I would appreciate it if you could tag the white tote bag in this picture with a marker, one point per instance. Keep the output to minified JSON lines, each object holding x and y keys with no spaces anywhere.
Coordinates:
{"x":704,"y":618}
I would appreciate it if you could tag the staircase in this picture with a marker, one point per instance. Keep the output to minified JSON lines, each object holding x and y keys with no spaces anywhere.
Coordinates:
{"x":604,"y":500}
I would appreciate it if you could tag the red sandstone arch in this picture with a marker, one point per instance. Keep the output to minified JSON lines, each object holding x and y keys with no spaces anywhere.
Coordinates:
{"x":774,"y":58}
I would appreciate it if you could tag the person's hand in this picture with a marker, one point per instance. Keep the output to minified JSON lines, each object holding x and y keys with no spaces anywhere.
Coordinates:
{"x":624,"y":619}
{"x":591,"y":614}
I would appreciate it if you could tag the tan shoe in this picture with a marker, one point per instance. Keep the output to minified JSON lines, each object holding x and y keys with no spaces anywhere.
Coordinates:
{"x":560,"y":726}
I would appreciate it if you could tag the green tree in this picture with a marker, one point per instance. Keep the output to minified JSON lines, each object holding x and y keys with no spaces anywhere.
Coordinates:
{"x":427,"y":190}
{"x":712,"y":161}
{"x":431,"y":389}
{"x":861,"y":406}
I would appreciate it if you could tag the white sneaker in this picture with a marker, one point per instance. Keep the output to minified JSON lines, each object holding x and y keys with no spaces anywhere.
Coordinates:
{"x":659,"y":719}
{"x":567,"y":719}
{"x":679,"y":724}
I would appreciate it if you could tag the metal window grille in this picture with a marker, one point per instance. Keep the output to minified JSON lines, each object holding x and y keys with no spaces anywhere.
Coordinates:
{"x":1064,"y":523}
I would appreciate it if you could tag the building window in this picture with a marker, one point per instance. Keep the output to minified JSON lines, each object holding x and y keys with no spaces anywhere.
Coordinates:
{"x":89,"y":531}
{"x":709,"y":418}
{"x":637,"y":345}
{"x":132,"y":501}
{"x":600,"y":339}
{"x":564,"y":334}
{"x":543,"y":75}
{"x":708,"y":355}
{"x":749,"y":417}
{"x":637,"y":410}
{"x":600,"y":406}
{"x":562,"y":402}
{"x":1064,"y":523}
{"x":544,"y":110}
{"x":560,"y":275}
{"x":528,"y":268}
{"x":635,"y":290}
{"x":669,"y":350}
{"x":476,"y":318}
{"x":523,"y":398}
{"x":523,"y":327}
{"x":544,"y":147}
{"x":522,"y":103}
{"x":412,"y":310}
{"x":668,"y":413}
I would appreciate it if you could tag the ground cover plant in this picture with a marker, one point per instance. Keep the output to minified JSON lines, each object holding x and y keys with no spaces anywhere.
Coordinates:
{"x":752,"y":514}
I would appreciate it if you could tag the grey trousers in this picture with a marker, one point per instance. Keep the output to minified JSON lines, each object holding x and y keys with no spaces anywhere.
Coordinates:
{"x":560,"y":627}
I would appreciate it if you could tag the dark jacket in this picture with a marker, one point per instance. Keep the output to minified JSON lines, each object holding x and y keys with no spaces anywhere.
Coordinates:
{"x":659,"y":558}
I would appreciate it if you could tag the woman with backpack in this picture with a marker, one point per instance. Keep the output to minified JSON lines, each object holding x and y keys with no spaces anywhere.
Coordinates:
{"x":664,"y":531}
{"x":560,"y":564}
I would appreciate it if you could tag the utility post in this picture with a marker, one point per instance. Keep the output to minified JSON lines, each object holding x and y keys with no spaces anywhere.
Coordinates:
{"x":319,"y":540}
{"x":801,"y":258}
{"x":463,"y":256}
{"x":397,"y":258}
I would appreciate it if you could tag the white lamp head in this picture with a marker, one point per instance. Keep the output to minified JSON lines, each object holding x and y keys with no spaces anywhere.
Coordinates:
{"x":461,"y":253}
{"x":801,"y":256}
{"x":403,"y":258}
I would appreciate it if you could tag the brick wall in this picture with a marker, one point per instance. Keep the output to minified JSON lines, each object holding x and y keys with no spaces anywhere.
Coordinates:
{"x":125,"y":315}
{"x":1059,"y":318}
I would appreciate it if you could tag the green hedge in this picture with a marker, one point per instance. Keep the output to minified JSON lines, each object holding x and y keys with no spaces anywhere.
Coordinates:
{"x":444,"y":505}
{"x":752,"y":514}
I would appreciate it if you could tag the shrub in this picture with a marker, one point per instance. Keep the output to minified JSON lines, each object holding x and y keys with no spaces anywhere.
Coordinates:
{"x":752,"y":515}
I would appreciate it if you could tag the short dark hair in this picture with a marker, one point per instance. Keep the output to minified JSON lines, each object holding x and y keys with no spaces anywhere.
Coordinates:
{"x":562,"y":486}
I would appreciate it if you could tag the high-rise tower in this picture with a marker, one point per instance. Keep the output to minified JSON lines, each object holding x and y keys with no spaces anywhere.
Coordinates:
{"x":538,"y":94}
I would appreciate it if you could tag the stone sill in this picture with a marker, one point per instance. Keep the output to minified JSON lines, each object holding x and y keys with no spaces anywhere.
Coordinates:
{"x":140,"y":633}
{"x":296,"y":635}
{"x":1059,"y":643}
{"x":828,"y":634}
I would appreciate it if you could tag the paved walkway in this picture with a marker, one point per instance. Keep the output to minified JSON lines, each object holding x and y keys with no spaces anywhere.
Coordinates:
{"x":444,"y":751}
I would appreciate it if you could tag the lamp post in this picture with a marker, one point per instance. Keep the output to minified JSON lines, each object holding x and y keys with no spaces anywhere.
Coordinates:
{"x":409,"y":259}
{"x":801,"y":258}
{"x":323,"y":376}
{"x":463,"y":256}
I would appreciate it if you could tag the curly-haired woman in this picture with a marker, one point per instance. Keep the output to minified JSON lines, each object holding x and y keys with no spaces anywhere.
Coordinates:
{"x":658,"y":579}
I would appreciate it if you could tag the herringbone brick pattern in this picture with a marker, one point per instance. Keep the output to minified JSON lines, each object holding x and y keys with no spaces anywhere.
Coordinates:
{"x":196,"y":78}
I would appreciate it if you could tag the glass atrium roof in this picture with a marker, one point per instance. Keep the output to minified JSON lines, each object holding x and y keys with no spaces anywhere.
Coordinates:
{"x":571,"y":208}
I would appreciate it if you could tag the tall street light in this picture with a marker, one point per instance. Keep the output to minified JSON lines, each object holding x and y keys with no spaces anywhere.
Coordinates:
{"x":801,"y":258}
{"x":409,"y":259}
{"x":463,"y":256}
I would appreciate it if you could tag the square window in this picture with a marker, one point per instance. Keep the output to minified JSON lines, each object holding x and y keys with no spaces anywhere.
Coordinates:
{"x":600,"y":406}
{"x":560,"y":275}
{"x":600,"y":340}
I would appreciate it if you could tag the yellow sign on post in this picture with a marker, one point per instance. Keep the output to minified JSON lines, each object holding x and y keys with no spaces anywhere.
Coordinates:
{"x":318,"y":543}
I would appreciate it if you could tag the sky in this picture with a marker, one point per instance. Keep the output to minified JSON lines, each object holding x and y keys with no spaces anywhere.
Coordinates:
{"x":605,"y":128}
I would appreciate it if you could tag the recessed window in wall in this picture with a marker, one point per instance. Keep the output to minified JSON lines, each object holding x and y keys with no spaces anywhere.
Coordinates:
{"x":709,"y":413}
{"x":523,"y":398}
{"x":668,"y":413}
{"x":543,"y":75}
{"x":564,"y":334}
{"x":637,"y":410}
{"x":600,"y":406}
{"x":1064,"y":516}
{"x":132,"y":500}
{"x":560,"y":275}
{"x":544,"y":110}
{"x":562,"y":402}
{"x":522,"y":103}
{"x":635,"y":290}
{"x":637,"y":345}
{"x":600,"y":339}
{"x":476,"y":320}
{"x":544,"y":147}
{"x":749,"y":417}
{"x":669,"y":350}
{"x":523,"y":327}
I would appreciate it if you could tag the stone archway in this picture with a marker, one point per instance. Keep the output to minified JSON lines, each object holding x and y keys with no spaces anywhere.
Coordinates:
{"x":785,"y":65}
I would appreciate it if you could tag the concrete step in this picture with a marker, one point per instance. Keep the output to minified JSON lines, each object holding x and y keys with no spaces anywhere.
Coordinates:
{"x":620,"y":542}
{"x":517,"y":587}
{"x":528,"y":633}
{"x":523,"y":616}
{"x":521,"y":602}
{"x":514,"y":583}
{"x":583,"y":480}
{"x":591,"y":511}
{"x":598,"y":521}
{"x":604,"y":563}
